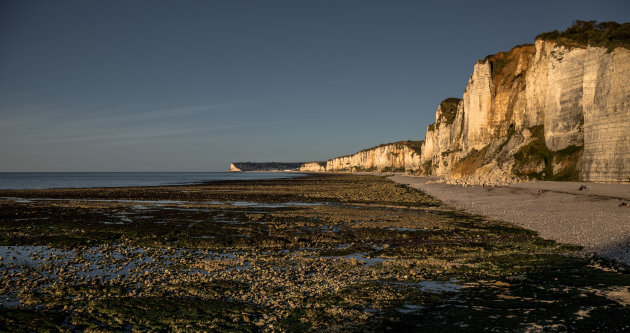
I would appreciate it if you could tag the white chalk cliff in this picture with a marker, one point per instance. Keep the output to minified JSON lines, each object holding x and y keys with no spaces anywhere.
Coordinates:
{"x":555,"y":110}
{"x":545,"y":110}
{"x":313,"y":167}
{"x":397,"y":156}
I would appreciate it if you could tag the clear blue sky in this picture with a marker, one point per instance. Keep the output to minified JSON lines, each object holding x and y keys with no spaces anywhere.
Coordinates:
{"x":193,"y":85}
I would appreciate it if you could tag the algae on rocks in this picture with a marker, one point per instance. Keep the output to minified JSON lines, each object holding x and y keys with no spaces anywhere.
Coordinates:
{"x":326,"y":252}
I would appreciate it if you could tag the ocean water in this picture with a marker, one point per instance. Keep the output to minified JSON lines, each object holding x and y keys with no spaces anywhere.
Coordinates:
{"x":42,"y":180}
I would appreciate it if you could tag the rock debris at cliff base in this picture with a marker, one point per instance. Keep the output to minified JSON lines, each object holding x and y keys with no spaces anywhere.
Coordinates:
{"x":326,"y":252}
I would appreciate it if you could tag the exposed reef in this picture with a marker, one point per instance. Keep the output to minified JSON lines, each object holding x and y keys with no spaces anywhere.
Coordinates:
{"x":322,"y":253}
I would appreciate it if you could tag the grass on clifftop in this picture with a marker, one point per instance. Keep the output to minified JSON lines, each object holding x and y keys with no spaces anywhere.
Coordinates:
{"x":605,"y":34}
{"x":449,"y":110}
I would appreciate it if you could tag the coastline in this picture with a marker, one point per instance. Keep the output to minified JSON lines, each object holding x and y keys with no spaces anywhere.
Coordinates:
{"x":594,"y":218}
{"x":60,"y":180}
{"x":317,"y":253}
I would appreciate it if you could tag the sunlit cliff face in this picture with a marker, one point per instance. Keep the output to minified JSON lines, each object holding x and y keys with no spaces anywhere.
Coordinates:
{"x":544,"y":111}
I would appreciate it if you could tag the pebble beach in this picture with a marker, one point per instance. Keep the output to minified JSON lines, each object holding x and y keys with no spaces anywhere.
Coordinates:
{"x":596,"y":217}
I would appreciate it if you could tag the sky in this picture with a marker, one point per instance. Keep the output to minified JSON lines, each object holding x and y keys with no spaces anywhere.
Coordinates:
{"x":194,"y":85}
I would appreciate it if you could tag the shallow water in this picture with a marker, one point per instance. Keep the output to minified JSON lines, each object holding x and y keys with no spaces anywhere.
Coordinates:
{"x":142,"y":204}
{"x":44,"y":180}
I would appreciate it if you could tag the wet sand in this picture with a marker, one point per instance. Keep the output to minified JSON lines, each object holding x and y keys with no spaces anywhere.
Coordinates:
{"x":597,"y":217}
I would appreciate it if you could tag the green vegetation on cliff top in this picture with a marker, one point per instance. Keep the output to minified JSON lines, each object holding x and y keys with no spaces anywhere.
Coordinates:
{"x":449,"y":111}
{"x":605,"y":34}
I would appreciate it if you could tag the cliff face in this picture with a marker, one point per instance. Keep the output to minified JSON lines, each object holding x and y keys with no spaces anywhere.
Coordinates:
{"x":546,"y":110}
{"x":313,"y":167}
{"x":398,"y":156}
{"x":234,"y":168}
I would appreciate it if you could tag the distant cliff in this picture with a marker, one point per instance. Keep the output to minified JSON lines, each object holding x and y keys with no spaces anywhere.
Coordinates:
{"x":556,"y":110}
{"x":313,"y":167}
{"x":397,"y":156}
{"x":265,"y":166}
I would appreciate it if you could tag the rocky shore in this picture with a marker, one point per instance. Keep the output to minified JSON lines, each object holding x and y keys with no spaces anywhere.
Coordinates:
{"x":327,"y":252}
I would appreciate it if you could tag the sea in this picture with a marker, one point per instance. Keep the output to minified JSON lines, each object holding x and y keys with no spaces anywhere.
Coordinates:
{"x":44,"y":180}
